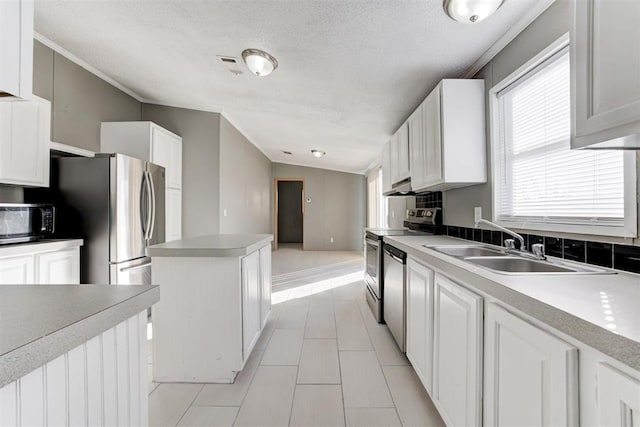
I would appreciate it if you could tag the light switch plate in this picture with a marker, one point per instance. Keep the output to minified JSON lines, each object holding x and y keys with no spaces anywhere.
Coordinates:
{"x":477,"y":213}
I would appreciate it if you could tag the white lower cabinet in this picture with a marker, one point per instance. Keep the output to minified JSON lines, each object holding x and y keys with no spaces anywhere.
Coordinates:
{"x":420,"y":321}
{"x":619,"y":397}
{"x":59,"y":267}
{"x":457,"y":357}
{"x":251,"y":304}
{"x":101,"y":382}
{"x":265,"y":293}
{"x":530,"y":376}
{"x":17,"y":270}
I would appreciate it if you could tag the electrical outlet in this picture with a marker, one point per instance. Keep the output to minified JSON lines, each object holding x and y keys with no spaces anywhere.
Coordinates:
{"x":224,"y":212}
{"x":477,"y":213}
{"x":331,"y":240}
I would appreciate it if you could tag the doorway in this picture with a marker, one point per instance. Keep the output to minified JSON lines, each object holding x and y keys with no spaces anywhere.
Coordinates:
{"x":289,"y":212}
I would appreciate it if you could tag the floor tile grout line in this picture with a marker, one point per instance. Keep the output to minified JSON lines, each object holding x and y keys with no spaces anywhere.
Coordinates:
{"x":335,"y":325}
{"x":248,"y":387}
{"x":293,"y":398}
{"x":189,"y":405}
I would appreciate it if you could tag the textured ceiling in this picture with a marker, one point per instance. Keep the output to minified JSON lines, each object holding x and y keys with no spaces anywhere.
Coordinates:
{"x":350,"y":71}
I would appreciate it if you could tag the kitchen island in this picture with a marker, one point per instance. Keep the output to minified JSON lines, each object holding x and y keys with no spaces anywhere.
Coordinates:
{"x":73,"y":354}
{"x":216,"y":299}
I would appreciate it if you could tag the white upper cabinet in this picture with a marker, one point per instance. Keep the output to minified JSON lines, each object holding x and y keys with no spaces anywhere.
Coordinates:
{"x":416,"y":147}
{"x":148,"y":141}
{"x":605,"y":73}
{"x":16,"y":47}
{"x":530,"y":377}
{"x":386,"y":168}
{"x":399,"y":164}
{"x":457,"y":357}
{"x":452,"y":150}
{"x":25,"y":128}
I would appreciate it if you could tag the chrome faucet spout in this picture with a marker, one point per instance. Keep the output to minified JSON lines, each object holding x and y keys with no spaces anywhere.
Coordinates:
{"x":503,"y":229}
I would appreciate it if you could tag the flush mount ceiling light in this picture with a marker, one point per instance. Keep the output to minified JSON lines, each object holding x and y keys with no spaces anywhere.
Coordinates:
{"x":259,"y":62}
{"x":318,"y":153}
{"x":470,"y":11}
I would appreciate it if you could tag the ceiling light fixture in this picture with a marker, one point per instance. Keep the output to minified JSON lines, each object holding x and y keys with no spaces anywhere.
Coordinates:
{"x":259,"y":62}
{"x":471,"y":11}
{"x":318,"y":153}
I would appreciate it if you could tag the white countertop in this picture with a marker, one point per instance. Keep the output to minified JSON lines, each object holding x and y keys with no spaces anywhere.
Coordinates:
{"x":39,"y":246}
{"x":215,"y":245}
{"x":40,"y":322}
{"x":573,"y":304}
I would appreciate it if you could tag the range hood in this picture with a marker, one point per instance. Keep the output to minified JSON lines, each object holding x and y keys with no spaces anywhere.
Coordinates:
{"x":399,"y":189}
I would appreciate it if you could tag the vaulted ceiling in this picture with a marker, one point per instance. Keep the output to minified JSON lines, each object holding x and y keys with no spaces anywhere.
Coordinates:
{"x":350,"y":71}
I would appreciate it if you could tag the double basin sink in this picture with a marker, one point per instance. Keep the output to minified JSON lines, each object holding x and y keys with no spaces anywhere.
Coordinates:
{"x":503,"y":262}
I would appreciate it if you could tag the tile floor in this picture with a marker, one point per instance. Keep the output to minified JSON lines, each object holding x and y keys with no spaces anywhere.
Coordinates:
{"x":322,"y":360}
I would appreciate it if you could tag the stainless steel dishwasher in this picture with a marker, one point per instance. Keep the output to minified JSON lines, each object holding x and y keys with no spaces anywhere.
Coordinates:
{"x":394,"y":290}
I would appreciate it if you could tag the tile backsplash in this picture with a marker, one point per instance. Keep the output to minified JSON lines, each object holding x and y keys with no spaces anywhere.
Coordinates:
{"x":620,"y":257}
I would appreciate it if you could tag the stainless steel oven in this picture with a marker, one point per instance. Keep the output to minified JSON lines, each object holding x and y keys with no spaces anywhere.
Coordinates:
{"x":373,"y":273}
{"x":25,"y":222}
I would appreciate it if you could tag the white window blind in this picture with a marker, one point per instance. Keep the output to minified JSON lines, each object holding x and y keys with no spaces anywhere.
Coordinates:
{"x":540,"y":178}
{"x":376,"y":206}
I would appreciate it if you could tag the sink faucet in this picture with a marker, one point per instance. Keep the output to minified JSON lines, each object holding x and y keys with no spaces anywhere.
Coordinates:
{"x":509,"y":243}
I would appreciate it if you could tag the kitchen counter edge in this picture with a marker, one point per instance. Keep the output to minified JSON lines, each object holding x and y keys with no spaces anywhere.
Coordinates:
{"x":29,"y":248}
{"x":216,"y":245}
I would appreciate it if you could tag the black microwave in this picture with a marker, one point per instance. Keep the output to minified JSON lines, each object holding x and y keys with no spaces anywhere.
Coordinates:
{"x":25,"y":222}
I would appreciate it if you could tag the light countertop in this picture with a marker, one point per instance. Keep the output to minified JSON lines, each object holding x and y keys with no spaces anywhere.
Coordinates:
{"x":600,"y":310}
{"x":215,"y":245}
{"x":40,"y":322}
{"x":29,"y":248}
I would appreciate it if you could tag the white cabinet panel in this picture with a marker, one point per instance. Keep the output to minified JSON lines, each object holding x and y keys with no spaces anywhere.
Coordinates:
{"x":110,"y":377}
{"x":134,"y":379}
{"x":457,"y":368}
{"x":59,"y":267}
{"x":416,"y":147}
{"x":76,"y":386}
{"x":17,"y":270}
{"x":24,"y":142}
{"x":403,"y":164}
{"x":122,"y":369}
{"x":32,"y":398}
{"x":265,"y":284}
{"x":174,"y":214}
{"x":9,"y":405}
{"x":432,"y":150}
{"x":16,"y":50}
{"x":420,"y":321}
{"x":619,"y":396}
{"x":251,"y":323}
{"x":57,"y":402}
{"x":94,"y":381}
{"x":530,"y":376}
{"x":605,"y":55}
{"x":386,"y":167}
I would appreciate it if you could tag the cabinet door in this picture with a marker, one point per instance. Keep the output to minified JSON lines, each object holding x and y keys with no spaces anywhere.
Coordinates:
{"x":17,"y":270}
{"x":530,"y":376}
{"x":619,"y":395}
{"x":420,"y":321}
{"x":251,"y":324}
{"x":166,"y":151}
{"x":265,"y":284}
{"x":16,"y":61}
{"x":173,"y":211}
{"x":24,"y":142}
{"x":457,"y":369}
{"x":393,"y":158}
{"x":416,"y":146}
{"x":59,"y":267}
{"x":404,"y":166}
{"x":386,"y":167}
{"x":605,"y":51}
{"x":432,"y":139}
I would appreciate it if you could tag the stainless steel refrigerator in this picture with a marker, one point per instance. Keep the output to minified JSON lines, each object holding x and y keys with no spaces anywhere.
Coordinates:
{"x":116,"y":204}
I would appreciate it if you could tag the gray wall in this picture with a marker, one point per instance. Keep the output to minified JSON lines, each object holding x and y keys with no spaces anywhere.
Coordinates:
{"x":245,"y":184}
{"x":548,"y":27}
{"x":337,"y":207}
{"x":200,"y":132}
{"x":80,"y":100}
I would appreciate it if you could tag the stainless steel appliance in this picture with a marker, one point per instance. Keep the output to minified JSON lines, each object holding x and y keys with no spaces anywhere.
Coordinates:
{"x":25,"y":222}
{"x":394,"y":296}
{"x":116,"y":204}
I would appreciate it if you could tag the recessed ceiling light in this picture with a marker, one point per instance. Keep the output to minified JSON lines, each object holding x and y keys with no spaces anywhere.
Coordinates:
{"x":318,"y":153}
{"x":259,"y":62}
{"x":470,"y":11}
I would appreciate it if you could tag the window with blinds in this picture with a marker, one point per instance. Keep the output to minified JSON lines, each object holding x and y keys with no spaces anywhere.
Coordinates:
{"x":376,"y":203}
{"x":540,"y":179}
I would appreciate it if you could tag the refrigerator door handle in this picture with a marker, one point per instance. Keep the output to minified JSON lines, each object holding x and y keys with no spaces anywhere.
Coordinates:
{"x":147,"y":175}
{"x":136,"y":267}
{"x":152,"y":205}
{"x":143,"y":196}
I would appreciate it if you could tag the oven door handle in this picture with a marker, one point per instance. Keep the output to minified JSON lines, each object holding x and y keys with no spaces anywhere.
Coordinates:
{"x":372,"y":242}
{"x":400,"y":260}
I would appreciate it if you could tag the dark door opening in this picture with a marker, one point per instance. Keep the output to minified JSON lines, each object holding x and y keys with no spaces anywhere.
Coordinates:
{"x":289,"y":212}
